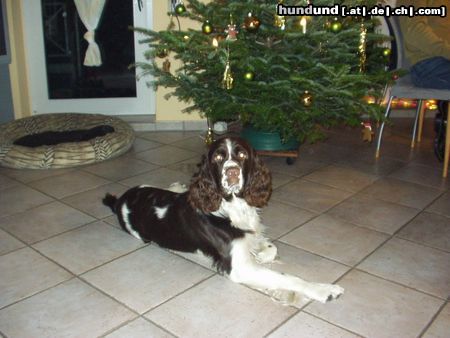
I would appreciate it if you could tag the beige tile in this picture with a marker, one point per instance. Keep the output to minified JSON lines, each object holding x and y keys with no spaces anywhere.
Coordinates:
{"x":120,"y":168}
{"x":341,"y":178}
{"x":401,"y":192}
{"x":68,"y":184}
{"x":139,"y":328}
{"x":141,"y":144}
{"x":146,"y":278}
{"x":280,"y":218}
{"x":113,"y":220}
{"x":20,"y":198}
{"x":167,"y":137}
{"x":279,"y":179}
{"x":372,"y":213}
{"x":422,"y":174}
{"x":367,"y":163}
{"x":90,"y":201}
{"x":430,"y":229}
{"x":6,"y":182}
{"x":30,"y":175}
{"x":72,"y":309}
{"x":8,"y":243}
{"x":413,"y":265}
{"x":220,"y":308}
{"x":300,"y":168}
{"x":311,"y":327}
{"x":310,"y":196}
{"x":188,"y":167}
{"x":160,"y":178}
{"x":196,"y":143}
{"x":373,"y":307}
{"x":335,"y":239}
{"x":165,"y":155}
{"x":24,"y":273}
{"x":440,"y":206}
{"x":87,"y":247}
{"x":44,"y":221}
{"x":441,"y":325}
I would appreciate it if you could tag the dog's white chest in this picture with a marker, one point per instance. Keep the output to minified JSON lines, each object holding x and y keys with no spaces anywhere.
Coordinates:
{"x":242,"y":215}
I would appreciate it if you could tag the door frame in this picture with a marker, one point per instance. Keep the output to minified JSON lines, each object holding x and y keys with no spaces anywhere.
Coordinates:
{"x":143,"y":104}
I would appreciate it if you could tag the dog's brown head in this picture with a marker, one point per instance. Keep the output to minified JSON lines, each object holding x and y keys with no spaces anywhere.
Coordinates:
{"x":231,"y":167}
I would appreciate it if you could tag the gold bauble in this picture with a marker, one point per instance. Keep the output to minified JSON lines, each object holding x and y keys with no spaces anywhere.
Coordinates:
{"x":207,"y":28}
{"x":249,"y":76}
{"x":209,"y":137}
{"x":251,"y":23}
{"x":306,"y":99}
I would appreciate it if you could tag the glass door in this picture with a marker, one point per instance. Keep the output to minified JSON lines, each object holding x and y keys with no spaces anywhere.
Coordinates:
{"x":79,"y":56}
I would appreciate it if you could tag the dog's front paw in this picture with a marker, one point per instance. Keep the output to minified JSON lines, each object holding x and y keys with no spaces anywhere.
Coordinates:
{"x":266,"y":253}
{"x":325,"y":292}
{"x":177,"y":187}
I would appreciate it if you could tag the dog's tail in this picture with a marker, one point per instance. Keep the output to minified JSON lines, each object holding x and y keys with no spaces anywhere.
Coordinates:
{"x":110,"y":201}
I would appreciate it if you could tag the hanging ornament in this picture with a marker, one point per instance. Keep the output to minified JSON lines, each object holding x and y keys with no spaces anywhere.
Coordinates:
{"x":306,"y":99}
{"x":251,"y":23}
{"x":249,"y":76}
{"x":207,"y":28}
{"x":387,"y":52}
{"x":336,"y":25}
{"x":362,"y":48}
{"x":367,"y":132}
{"x":166,"y":66}
{"x":395,"y":76}
{"x":231,"y":30}
{"x":227,"y":81}
{"x":280,"y":22}
{"x":180,"y":8}
{"x":209,"y":136}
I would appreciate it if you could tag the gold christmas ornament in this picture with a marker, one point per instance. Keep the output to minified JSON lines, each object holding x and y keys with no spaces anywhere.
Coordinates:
{"x":207,"y":28}
{"x":336,"y":25}
{"x":180,"y":8}
{"x":280,"y":22}
{"x":166,"y":66}
{"x":387,"y":52}
{"x":306,"y":99}
{"x":227,"y":81}
{"x":251,"y":23}
{"x":249,"y":76}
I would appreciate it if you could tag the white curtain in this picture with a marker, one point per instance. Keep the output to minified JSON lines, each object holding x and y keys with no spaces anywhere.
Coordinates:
{"x":90,"y":12}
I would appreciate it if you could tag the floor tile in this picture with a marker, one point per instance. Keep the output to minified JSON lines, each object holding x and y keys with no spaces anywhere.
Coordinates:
{"x":87,"y":247}
{"x":367,"y":163}
{"x":401,"y":192}
{"x":413,"y":265}
{"x":196,"y":143}
{"x":146,"y":278}
{"x":120,"y":168}
{"x":374,"y":214}
{"x":310,"y":196}
{"x":279,"y":179}
{"x":335,"y":239}
{"x":160,"y":178}
{"x":112,"y":220}
{"x":8,"y":243}
{"x":422,"y":174}
{"x":311,"y":327}
{"x":440,"y":206}
{"x":441,"y":325}
{"x":30,"y":175}
{"x":280,"y":218}
{"x":188,"y":167}
{"x":68,"y":184}
{"x":341,"y":178}
{"x":139,"y":328}
{"x":165,"y":155}
{"x":72,"y":309}
{"x":44,"y":221}
{"x":430,"y":229}
{"x":20,"y":198}
{"x":24,"y":273}
{"x":373,"y":307}
{"x":90,"y":201}
{"x":168,"y":137}
{"x":220,"y":308}
{"x":141,"y":144}
{"x":6,"y":182}
{"x":300,"y":167}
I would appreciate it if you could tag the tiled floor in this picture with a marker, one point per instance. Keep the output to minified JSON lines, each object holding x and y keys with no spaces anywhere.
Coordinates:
{"x":381,"y":229}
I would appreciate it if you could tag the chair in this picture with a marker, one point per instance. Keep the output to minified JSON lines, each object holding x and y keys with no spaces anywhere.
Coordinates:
{"x":404,"y":88}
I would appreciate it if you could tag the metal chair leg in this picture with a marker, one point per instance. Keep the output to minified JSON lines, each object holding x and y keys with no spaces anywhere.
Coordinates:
{"x":380,"y":132}
{"x":416,"y":119}
{"x":421,"y":117}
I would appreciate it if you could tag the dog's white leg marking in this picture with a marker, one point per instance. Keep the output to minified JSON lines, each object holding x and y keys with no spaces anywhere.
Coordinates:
{"x":177,"y":187}
{"x":245,"y":270}
{"x":125,"y":212}
{"x":265,"y":251}
{"x":161,"y":212}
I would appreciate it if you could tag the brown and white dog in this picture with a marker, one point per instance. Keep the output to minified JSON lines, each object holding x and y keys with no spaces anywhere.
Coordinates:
{"x":217,"y":215}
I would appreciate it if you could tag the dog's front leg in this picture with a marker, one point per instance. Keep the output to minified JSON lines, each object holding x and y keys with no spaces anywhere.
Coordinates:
{"x":264,"y":250}
{"x":244,"y":270}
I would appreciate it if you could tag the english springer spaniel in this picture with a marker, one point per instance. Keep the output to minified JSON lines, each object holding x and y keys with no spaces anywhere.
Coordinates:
{"x":219,"y":216}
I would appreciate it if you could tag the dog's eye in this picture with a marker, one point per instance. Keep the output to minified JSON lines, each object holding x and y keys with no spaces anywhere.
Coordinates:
{"x":218,"y":158}
{"x":242,"y":155}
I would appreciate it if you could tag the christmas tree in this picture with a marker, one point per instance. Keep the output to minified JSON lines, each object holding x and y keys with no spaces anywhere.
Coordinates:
{"x":289,"y":74}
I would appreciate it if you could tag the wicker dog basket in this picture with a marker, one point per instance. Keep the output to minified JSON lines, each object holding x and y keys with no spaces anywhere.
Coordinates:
{"x":63,"y":155}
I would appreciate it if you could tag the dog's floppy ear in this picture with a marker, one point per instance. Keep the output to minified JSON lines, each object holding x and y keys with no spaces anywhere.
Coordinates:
{"x":204,"y":194}
{"x":258,"y":184}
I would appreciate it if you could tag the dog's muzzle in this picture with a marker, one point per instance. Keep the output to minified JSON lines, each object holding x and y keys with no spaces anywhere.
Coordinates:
{"x":233,"y":176}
